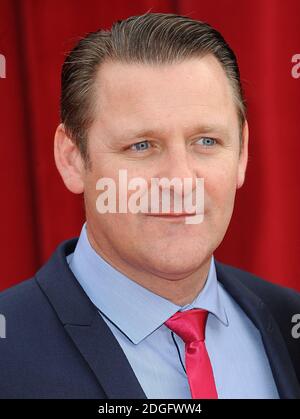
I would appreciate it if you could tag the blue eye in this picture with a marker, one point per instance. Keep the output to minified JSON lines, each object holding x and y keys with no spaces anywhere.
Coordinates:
{"x":141,"y":146}
{"x":207,"y":141}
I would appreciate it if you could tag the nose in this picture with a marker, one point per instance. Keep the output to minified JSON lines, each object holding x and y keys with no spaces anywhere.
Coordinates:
{"x":178,"y":167}
{"x":177,"y":162}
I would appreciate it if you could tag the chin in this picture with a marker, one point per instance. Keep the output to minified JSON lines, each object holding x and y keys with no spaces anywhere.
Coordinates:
{"x":176,"y":266}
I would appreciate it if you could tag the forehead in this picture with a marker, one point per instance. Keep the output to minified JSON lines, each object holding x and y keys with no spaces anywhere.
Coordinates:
{"x":181,"y":93}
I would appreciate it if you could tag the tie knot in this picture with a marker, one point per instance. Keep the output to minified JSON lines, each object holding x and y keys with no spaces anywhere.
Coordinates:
{"x":189,"y":325}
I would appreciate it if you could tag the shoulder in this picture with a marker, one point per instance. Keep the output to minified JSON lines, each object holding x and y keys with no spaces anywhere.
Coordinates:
{"x":282,"y":303}
{"x":37,"y":357}
{"x":28,"y":297}
{"x":28,"y":317}
{"x":23,"y":297}
{"x":273,"y":295}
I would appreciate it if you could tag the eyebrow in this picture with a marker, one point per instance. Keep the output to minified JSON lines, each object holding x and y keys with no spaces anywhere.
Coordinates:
{"x":202,"y":128}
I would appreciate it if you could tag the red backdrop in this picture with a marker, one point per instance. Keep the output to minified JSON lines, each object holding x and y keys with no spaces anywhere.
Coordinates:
{"x":37,"y":212}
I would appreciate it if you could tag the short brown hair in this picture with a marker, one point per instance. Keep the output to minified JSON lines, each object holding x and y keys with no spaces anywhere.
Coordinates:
{"x":152,"y":38}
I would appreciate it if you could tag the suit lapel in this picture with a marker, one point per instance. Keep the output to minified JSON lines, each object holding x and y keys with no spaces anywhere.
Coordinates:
{"x":106,"y":358}
{"x":87,"y":329}
{"x":276,"y":350}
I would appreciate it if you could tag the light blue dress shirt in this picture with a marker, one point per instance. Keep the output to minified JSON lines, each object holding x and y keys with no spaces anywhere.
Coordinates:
{"x":136,"y":317}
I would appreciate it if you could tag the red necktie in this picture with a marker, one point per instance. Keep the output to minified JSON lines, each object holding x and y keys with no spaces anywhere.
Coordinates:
{"x":190,"y":326}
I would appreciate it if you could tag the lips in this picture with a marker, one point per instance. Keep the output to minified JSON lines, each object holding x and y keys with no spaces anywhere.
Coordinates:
{"x":182,"y":217}
{"x":175,"y":215}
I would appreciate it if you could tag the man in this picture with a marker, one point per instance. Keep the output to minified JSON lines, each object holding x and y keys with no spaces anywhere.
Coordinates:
{"x":138,"y":307}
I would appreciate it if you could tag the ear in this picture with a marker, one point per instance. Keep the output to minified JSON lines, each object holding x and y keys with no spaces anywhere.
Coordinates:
{"x":68,"y":161}
{"x":243,"y":158}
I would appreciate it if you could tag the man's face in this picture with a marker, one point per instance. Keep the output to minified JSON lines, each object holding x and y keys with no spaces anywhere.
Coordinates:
{"x":186,"y":121}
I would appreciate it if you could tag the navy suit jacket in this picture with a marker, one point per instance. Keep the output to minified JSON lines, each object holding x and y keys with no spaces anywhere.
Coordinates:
{"x":58,"y":346}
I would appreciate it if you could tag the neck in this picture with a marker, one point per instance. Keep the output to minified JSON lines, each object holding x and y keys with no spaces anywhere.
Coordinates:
{"x":179,"y":289}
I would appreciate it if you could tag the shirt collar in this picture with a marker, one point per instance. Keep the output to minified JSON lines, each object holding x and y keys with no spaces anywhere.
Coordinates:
{"x":134,"y":310}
